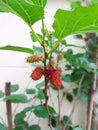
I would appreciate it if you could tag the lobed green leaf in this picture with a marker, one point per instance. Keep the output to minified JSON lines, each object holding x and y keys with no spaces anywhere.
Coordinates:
{"x":80,"y":20}
{"x":26,"y":10}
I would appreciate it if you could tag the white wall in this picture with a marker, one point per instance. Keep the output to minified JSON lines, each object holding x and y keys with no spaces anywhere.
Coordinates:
{"x":13,"y":66}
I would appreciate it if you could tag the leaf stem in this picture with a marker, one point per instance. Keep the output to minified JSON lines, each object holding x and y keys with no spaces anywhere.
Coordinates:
{"x":54,"y":47}
{"x":35,"y":35}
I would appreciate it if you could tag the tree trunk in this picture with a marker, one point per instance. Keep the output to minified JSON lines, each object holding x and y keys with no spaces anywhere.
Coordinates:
{"x":92,"y":110}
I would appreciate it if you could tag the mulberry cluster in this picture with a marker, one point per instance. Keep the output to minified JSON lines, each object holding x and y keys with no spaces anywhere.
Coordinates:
{"x":51,"y":74}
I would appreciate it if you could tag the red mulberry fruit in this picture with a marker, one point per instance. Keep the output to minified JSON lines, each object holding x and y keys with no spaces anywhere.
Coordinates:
{"x":54,"y":77}
{"x":37,"y":73}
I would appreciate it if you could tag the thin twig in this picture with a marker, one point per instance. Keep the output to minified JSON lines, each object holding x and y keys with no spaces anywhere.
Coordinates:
{"x":45,"y":78}
{"x":59,"y":110}
{"x":51,"y":97}
{"x":75,"y":102}
{"x":30,"y":113}
{"x":91,"y":104}
{"x":90,"y":112}
{"x":3,"y":121}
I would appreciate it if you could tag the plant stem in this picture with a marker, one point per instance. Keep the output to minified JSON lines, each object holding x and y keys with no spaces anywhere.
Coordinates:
{"x":91,"y":102}
{"x":50,"y":95}
{"x":8,"y":106}
{"x":90,"y":112}
{"x":46,"y":80}
{"x":59,"y":110}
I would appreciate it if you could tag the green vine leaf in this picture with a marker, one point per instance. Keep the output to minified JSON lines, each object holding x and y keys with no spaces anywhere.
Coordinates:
{"x":80,"y":20}
{"x":28,"y":12}
{"x":17,"y":48}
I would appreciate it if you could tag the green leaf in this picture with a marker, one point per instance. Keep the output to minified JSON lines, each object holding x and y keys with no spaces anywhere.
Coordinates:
{"x":52,"y":111}
{"x":40,"y":95}
{"x":1,"y":94}
{"x":34,"y":38}
{"x":19,"y":118}
{"x":40,"y":85}
{"x":54,"y":121}
{"x":37,"y":49}
{"x":34,"y":127}
{"x":19,"y":128}
{"x":65,"y":118}
{"x":94,"y":1}
{"x":75,"y":4}
{"x":64,"y":42}
{"x":67,"y":78}
{"x":69,"y":97}
{"x":3,"y":127}
{"x":78,"y":128}
{"x":80,"y":20}
{"x":40,"y":111}
{"x":17,"y":98}
{"x":27,"y":109}
{"x":17,"y":48}
{"x":30,"y":91}
{"x":84,"y":96}
{"x":28,"y":12}
{"x":42,"y":3}
{"x":77,"y":73}
{"x":78,"y":36}
{"x":75,"y":91}
{"x":19,"y":121}
{"x":14,"y":87}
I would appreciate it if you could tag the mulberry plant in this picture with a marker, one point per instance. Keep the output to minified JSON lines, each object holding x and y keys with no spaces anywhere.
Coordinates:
{"x":54,"y":63}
